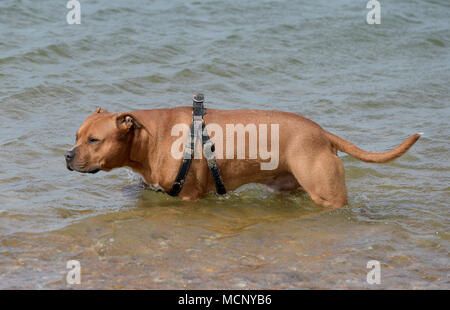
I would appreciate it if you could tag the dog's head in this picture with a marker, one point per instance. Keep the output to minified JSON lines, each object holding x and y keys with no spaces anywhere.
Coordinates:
{"x":103,"y":142}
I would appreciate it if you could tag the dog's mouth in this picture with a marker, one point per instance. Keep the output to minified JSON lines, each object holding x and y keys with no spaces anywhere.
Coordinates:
{"x":95,"y":170}
{"x":92,"y":170}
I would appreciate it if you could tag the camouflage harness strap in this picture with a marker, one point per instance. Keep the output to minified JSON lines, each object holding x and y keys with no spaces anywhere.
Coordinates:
{"x":197,"y":127}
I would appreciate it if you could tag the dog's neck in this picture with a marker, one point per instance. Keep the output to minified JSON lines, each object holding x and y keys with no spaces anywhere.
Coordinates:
{"x":142,"y":148}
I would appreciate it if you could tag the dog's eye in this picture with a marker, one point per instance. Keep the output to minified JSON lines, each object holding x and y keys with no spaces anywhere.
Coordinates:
{"x":93,"y":140}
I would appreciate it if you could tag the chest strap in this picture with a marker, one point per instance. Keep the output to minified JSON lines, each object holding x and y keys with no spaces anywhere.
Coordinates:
{"x":198,"y":132}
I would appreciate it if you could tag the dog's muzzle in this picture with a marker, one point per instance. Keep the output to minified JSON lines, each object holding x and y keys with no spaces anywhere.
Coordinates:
{"x":70,"y":155}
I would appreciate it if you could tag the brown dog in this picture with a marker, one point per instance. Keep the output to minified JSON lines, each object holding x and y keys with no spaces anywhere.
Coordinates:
{"x":143,"y":141}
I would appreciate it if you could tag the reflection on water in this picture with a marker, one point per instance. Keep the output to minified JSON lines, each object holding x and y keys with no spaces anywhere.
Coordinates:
{"x":372,"y":84}
{"x":243,"y":240}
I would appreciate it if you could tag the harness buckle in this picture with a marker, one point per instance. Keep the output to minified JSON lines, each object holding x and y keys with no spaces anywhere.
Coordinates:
{"x":198,"y":103}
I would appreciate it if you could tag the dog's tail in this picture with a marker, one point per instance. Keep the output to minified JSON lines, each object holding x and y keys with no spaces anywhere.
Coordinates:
{"x":370,"y":157}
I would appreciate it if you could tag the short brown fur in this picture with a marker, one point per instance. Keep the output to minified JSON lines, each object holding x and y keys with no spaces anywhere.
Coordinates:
{"x":141,"y":140}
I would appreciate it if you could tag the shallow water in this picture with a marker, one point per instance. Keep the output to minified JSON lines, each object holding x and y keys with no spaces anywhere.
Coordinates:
{"x":371,"y":84}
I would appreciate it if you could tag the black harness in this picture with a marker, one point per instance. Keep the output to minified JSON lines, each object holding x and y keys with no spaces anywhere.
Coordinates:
{"x":197,"y":130}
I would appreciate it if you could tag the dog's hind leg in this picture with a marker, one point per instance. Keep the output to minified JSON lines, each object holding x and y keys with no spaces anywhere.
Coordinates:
{"x":322,"y":177}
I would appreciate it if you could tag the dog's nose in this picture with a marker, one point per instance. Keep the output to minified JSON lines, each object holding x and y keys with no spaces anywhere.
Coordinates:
{"x":70,"y":155}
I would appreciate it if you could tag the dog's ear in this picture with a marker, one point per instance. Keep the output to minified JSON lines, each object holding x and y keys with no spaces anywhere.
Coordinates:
{"x":100,"y":110}
{"x":126,"y":121}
